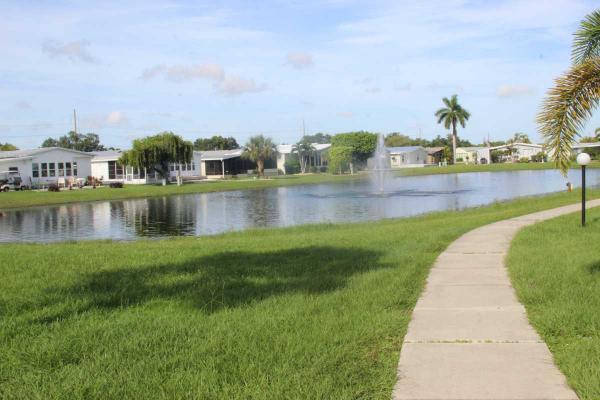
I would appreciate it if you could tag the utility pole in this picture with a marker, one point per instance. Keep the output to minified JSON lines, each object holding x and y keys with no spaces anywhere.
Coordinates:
{"x":74,"y":129}
{"x":303,"y":128}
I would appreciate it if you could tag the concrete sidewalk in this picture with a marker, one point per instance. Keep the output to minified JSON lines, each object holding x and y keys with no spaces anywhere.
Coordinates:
{"x":469,"y":337}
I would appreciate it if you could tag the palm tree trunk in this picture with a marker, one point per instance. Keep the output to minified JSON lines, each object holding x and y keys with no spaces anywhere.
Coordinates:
{"x":453,"y":142}
{"x":260,"y":165}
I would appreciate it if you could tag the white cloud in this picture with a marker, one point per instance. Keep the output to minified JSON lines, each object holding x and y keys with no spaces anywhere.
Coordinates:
{"x":299,"y":60}
{"x":514,"y":90}
{"x":373,"y":90}
{"x":116,"y":118}
{"x":345,"y":114}
{"x":223,"y":84}
{"x":233,"y":86}
{"x":180,"y":73}
{"x":406,"y":87}
{"x":75,"y":51}
{"x":24,"y":105}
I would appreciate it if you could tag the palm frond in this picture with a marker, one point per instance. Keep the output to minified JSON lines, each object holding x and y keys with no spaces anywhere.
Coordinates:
{"x":567,"y":107}
{"x":586,"y":43}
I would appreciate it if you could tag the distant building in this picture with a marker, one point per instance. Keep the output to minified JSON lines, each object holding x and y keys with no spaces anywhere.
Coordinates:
{"x":407,"y":156}
{"x":47,"y":165}
{"x":435,"y":155}
{"x":105,"y":167}
{"x":513,"y":152}
{"x":315,"y":159}
{"x":473,"y":155}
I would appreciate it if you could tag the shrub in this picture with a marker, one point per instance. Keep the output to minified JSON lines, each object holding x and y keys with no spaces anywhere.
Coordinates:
{"x":116,"y":185}
{"x":459,"y":159}
{"x":53,"y":187}
{"x":313,"y":169}
{"x":524,"y":159}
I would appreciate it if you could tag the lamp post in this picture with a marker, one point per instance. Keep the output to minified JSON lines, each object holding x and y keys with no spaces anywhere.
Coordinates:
{"x":583,"y":159}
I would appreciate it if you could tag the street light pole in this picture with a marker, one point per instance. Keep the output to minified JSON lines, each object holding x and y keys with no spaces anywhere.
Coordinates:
{"x":583,"y":195}
{"x":583,"y":159}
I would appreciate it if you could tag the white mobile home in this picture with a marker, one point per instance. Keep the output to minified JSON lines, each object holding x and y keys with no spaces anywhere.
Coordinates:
{"x":516,"y":151}
{"x":47,"y":165}
{"x":407,"y":156}
{"x":316,"y":159}
{"x":105,"y":167}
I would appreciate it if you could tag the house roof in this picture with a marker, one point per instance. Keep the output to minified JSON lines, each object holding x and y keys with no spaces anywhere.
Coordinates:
{"x":472,"y":148}
{"x":586,"y":145}
{"x":289,"y":148}
{"x":28,"y":153}
{"x":433,"y":150}
{"x":219,"y":155}
{"x":505,"y":146}
{"x":108,"y":155}
{"x":403,"y":149}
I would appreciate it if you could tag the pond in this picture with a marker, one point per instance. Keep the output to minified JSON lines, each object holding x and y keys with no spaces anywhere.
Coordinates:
{"x":210,"y":213}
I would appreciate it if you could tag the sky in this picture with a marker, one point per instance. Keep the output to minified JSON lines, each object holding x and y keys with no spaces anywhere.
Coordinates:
{"x":200,"y":68}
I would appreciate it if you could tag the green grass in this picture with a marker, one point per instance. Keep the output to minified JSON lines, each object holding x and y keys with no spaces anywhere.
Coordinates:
{"x":555,"y":268}
{"x":463,"y":168}
{"x":32,"y":198}
{"x":309,"y":312}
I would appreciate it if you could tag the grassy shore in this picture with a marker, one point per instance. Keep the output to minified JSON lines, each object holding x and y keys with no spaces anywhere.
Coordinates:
{"x":305,"y":312}
{"x":34,"y":198}
{"x":555,"y":267}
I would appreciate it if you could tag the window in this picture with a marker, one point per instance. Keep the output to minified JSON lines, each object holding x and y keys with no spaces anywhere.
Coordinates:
{"x":61,"y":169}
{"x":115,"y":171}
{"x":51,"y":169}
{"x":44,"y":170}
{"x":172,"y":167}
{"x":13,"y":169}
{"x":193,"y":166}
{"x":35,"y":170}
{"x":67,"y":169}
{"x":74,"y":168}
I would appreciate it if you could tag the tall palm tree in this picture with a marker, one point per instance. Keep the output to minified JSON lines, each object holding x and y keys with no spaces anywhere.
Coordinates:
{"x":259,"y":149}
{"x":451,"y":115}
{"x":576,"y":94}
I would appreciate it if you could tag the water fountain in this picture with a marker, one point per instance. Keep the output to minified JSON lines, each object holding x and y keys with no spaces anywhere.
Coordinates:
{"x":380,"y":165}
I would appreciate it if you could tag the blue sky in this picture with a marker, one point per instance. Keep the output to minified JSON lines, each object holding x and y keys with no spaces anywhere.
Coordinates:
{"x":241,"y":68}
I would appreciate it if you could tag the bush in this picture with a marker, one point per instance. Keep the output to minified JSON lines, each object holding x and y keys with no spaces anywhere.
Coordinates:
{"x":524,"y":159}
{"x":116,"y":185}
{"x":292,"y":164}
{"x":459,"y":159}
{"x":313,"y":170}
{"x":53,"y":187}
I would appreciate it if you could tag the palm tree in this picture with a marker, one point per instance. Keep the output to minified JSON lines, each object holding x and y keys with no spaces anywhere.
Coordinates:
{"x":569,"y":104}
{"x":451,"y":115}
{"x":304,"y":148}
{"x":259,"y":149}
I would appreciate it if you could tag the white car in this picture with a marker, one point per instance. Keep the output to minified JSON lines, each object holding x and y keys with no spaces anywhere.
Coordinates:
{"x":10,"y":180}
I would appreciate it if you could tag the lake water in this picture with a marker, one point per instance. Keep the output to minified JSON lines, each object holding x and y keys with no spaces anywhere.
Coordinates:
{"x":210,"y":213}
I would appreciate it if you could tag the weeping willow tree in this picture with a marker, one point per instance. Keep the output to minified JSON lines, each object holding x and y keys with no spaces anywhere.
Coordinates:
{"x":575,"y":95}
{"x":156,"y":152}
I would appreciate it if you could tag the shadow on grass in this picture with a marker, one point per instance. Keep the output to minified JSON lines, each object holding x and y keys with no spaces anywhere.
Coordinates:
{"x":594,"y":268}
{"x":222,"y":280}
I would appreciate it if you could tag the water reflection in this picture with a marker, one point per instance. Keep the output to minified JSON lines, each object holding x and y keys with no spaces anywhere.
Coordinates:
{"x":210,"y":213}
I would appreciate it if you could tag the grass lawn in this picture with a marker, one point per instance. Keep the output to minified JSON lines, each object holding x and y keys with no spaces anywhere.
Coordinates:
{"x":309,"y":312}
{"x":462,"y":168}
{"x":555,"y":268}
{"x":31,"y":198}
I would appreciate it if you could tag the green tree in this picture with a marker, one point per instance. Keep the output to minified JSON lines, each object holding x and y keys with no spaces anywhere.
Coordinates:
{"x":362,"y":144}
{"x":519,"y":137}
{"x":304,"y":148}
{"x":76,"y":141}
{"x":450,"y":116}
{"x":8,"y":147}
{"x":259,"y":149}
{"x":216,"y":143}
{"x":318,"y":138}
{"x":157,"y":152}
{"x":575,"y":95}
{"x":340,"y":159}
